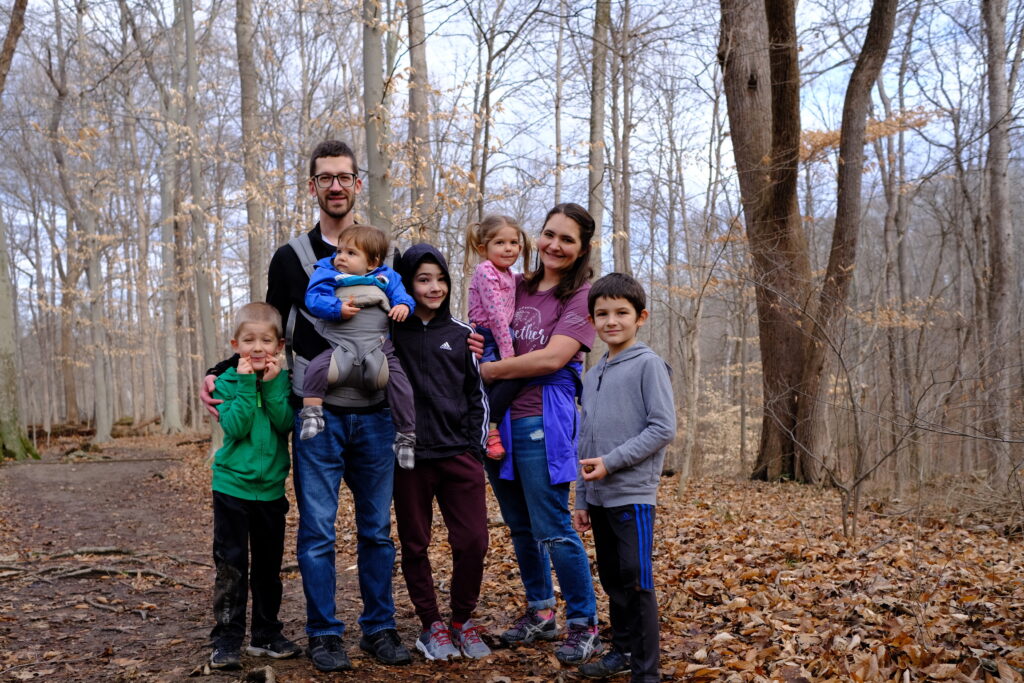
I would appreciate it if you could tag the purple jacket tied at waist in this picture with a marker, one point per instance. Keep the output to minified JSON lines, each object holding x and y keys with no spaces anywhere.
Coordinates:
{"x":561,"y":424}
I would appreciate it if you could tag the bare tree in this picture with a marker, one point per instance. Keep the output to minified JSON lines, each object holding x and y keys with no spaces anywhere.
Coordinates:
{"x":420,"y":163}
{"x":13,"y":442}
{"x":595,"y":156}
{"x":835,"y":289}
{"x":252,"y":162}
{"x":1000,"y":285}
{"x":375,"y":118}
{"x":762,"y":91}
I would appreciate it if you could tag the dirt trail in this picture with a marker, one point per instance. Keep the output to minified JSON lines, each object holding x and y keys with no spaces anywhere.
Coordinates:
{"x":105,"y":573}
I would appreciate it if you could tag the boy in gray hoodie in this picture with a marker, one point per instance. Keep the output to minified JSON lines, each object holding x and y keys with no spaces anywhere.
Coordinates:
{"x":628,"y":420}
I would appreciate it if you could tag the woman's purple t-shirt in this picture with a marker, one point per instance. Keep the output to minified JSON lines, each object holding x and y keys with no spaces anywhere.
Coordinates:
{"x":538,"y":317}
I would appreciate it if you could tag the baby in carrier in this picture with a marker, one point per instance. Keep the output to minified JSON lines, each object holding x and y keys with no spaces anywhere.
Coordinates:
{"x":353,"y":294}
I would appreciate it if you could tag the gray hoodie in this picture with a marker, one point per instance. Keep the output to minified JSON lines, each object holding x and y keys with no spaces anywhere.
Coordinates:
{"x":629,"y":418}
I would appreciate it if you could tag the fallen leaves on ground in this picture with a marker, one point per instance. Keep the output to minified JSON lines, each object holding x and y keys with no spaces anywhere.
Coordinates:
{"x":755,"y":583}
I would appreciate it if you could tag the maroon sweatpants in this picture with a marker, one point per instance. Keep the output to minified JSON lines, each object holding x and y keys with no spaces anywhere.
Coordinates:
{"x":458,"y":484}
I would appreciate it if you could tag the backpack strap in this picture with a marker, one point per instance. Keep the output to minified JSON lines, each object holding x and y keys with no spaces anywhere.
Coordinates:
{"x":303,"y":248}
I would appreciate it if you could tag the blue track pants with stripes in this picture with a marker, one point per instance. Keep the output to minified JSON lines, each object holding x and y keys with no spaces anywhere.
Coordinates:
{"x":623,"y":539}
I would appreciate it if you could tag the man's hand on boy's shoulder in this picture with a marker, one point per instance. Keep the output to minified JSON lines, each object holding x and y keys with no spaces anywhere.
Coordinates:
{"x":209,"y":384}
{"x":593,"y":469}
{"x":206,"y":396}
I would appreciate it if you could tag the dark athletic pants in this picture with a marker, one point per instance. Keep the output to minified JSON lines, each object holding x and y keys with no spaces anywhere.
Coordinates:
{"x":458,"y":484}
{"x":623,"y":539}
{"x":240,"y":527}
{"x":398,"y":390}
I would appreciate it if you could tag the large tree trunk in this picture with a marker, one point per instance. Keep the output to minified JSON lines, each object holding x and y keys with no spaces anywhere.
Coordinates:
{"x":420,"y":166}
{"x":1000,"y":281}
{"x":622,"y":115}
{"x":103,"y":416}
{"x":842,"y":257}
{"x":762,"y":88}
{"x":374,"y":118}
{"x":13,"y":441}
{"x":251,"y":162}
{"x":595,"y":158}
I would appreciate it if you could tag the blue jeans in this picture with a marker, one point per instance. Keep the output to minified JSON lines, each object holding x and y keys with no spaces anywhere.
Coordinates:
{"x":357,"y":448}
{"x":538,"y":517}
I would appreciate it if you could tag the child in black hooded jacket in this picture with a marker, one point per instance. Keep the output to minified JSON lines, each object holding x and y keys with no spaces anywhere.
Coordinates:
{"x":451,"y":430}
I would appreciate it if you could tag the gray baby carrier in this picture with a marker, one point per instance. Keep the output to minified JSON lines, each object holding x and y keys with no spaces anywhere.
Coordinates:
{"x":359,"y":368}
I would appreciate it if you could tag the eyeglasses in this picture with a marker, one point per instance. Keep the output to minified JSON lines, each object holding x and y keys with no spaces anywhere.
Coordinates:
{"x":325,"y":180}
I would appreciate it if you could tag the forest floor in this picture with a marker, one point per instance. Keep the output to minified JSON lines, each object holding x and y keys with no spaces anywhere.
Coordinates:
{"x":105,"y":575}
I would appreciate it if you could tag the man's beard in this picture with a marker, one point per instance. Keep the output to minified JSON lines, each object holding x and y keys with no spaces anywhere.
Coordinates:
{"x":336,"y":215}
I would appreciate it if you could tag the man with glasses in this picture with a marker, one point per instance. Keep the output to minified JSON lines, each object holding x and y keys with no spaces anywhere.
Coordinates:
{"x":356,"y":444}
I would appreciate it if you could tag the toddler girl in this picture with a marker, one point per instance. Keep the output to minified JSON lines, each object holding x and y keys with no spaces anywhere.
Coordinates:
{"x":492,"y":301}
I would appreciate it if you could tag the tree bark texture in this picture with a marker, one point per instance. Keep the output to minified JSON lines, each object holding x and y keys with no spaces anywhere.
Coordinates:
{"x":248,"y":78}
{"x":595,"y":158}
{"x":997,"y":371}
{"x":13,"y":441}
{"x":762,"y":90}
{"x":374,"y":118}
{"x":420,"y":164}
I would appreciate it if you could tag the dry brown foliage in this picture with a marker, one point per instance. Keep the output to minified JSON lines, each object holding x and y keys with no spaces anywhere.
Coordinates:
{"x":755,"y":583}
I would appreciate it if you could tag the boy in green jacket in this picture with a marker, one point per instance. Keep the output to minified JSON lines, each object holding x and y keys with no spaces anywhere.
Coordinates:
{"x":249,"y":504}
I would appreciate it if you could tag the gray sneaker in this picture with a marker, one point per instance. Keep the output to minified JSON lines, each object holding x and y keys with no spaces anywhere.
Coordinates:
{"x":581,"y":644}
{"x":436,"y":643}
{"x":529,"y":628}
{"x":467,"y":638}
{"x":312,"y":422}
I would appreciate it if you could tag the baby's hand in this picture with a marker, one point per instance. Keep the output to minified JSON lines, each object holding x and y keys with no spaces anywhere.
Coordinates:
{"x":399,"y":313}
{"x":593,"y":469}
{"x":349,"y":308}
{"x":273,"y":368}
{"x":244,"y":366}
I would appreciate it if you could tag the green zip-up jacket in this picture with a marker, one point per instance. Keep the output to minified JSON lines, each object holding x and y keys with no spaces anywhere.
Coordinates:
{"x":253,"y":462}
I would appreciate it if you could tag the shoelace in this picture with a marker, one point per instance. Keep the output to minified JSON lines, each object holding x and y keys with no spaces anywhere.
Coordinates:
{"x":528,"y":620}
{"x":472,"y":634}
{"x":575,"y":636}
{"x":442,"y":636}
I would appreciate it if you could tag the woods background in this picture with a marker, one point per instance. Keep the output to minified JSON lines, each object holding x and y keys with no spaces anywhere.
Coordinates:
{"x":821,"y":203}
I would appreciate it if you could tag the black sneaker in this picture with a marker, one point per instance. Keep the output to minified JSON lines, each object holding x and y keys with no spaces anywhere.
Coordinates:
{"x":277,"y":647}
{"x":386,"y":647}
{"x":612,"y":664}
{"x":328,"y":654}
{"x":225,"y":657}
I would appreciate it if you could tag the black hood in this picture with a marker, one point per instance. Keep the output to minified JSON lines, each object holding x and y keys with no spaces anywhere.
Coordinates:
{"x":407,"y":263}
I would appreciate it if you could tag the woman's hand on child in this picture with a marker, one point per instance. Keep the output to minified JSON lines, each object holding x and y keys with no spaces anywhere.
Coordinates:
{"x":348,"y":308}
{"x":272,"y":369}
{"x":206,"y":396}
{"x":399,"y":313}
{"x":581,"y":520}
{"x":475,"y":342}
{"x":593,"y":469}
